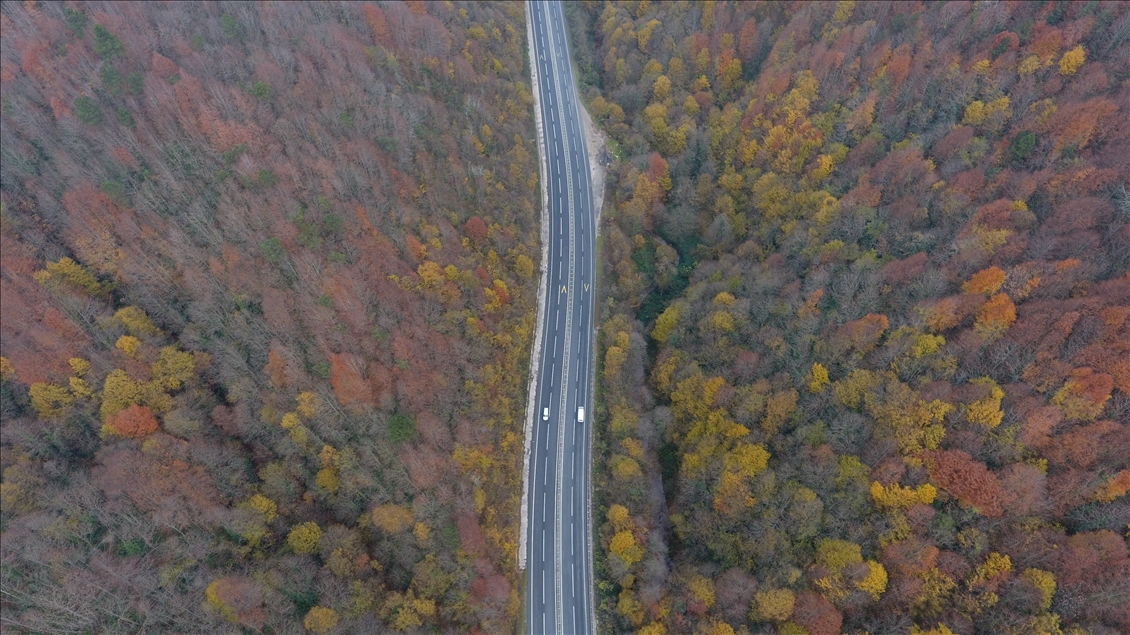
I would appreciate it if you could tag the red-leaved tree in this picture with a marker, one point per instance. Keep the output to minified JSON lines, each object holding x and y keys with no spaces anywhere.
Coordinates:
{"x":968,"y":480}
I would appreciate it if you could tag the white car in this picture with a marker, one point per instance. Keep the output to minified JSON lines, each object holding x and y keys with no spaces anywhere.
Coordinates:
{"x":580,"y":415}
{"x":545,"y":414}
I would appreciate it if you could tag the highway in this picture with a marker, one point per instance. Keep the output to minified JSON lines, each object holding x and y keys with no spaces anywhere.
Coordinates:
{"x":558,"y":521}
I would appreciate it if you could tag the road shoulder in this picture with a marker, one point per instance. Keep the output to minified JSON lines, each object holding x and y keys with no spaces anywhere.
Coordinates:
{"x":599,"y":159}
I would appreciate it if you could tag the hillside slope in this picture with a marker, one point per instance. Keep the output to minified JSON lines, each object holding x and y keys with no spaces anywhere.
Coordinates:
{"x":871,"y":263}
{"x":267,"y":293}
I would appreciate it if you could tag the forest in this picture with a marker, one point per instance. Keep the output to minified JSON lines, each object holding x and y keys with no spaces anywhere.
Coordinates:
{"x":268,"y":281}
{"x":865,"y":325}
{"x":267,"y":288}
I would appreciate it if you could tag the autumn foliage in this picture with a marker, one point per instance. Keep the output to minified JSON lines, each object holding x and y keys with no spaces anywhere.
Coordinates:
{"x":986,"y":281}
{"x":263,"y":270}
{"x":134,"y":421}
{"x":893,"y":254}
{"x":995,"y":316}
{"x":864,"y":287}
{"x":967,"y":480}
{"x":238,"y":599}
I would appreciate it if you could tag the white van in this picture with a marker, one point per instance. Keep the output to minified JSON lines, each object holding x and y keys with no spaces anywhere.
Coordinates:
{"x":545,"y":414}
{"x":581,"y":415}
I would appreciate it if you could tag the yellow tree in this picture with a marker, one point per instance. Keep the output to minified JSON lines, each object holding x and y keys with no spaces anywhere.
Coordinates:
{"x":778,"y":409}
{"x":305,"y":538}
{"x":623,"y":546}
{"x":772,"y":605}
{"x":839,"y":559}
{"x":238,"y":599}
{"x":728,"y":74}
{"x":135,"y":321}
{"x":916,"y":424}
{"x":1044,"y":582}
{"x":119,"y":391}
{"x":327,"y":477}
{"x":665,"y":324}
{"x":392,"y":518}
{"x":308,"y":403}
{"x":320,"y":620}
{"x":69,"y":271}
{"x":630,"y":607}
{"x":895,"y":496}
{"x":987,"y":410}
{"x":875,"y":582}
{"x":1072,"y":60}
{"x":1085,"y":394}
{"x":128,"y":344}
{"x":173,"y":368}
{"x":49,"y":400}
{"x":616,"y":355}
{"x":819,"y":378}
{"x":644,"y":34}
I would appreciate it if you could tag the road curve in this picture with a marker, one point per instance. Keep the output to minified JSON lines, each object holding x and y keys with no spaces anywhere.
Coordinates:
{"x":558,"y":522}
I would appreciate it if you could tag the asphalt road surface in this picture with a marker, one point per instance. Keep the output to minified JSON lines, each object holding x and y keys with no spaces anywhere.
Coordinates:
{"x":559,"y":595}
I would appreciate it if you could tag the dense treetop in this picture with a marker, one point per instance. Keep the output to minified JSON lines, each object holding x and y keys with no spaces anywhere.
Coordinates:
{"x":267,"y":271}
{"x":267,"y":292}
{"x":870,"y":262}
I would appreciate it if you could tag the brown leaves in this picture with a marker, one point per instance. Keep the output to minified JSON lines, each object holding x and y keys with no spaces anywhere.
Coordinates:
{"x":1085,"y":394}
{"x":900,"y":272}
{"x":1083,"y":446}
{"x":135,"y":421}
{"x":995,"y":316}
{"x":967,"y":480}
{"x":1038,"y":424}
{"x":348,"y":383}
{"x":862,"y":334}
{"x":986,"y":281}
{"x":475,"y":229}
{"x":1091,"y":555}
{"x":159,"y":481}
{"x":816,"y":614}
{"x":238,"y":599}
{"x":427,"y":467}
{"x":276,"y":368}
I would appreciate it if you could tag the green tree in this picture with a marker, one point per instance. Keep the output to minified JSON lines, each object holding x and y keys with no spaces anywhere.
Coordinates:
{"x":261,"y":91}
{"x":88,"y":111}
{"x":76,"y":20}
{"x":272,"y":250}
{"x":401,"y":428}
{"x":124,"y":117}
{"x":111,"y":79}
{"x":135,"y":83}
{"x":106,"y":44}
{"x":1022,"y":146}
{"x":232,"y":30}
